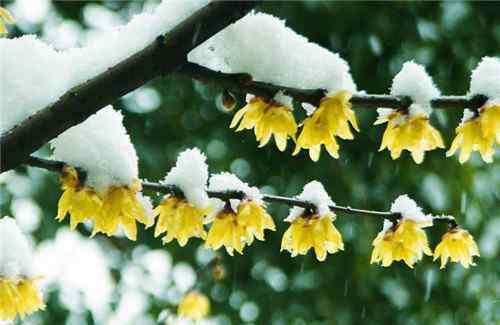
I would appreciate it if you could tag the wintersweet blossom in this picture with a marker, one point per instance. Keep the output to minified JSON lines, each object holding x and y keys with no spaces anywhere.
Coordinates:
{"x":5,"y":18}
{"x":182,"y":217}
{"x":312,"y":231}
{"x":409,"y":128}
{"x":19,"y":294}
{"x":237,"y":223}
{"x":480,"y":130}
{"x":180,"y":220}
{"x":116,"y":206}
{"x":404,"y":240}
{"x":477,"y":132}
{"x":312,"y":228}
{"x":458,"y":246}
{"x":235,"y":230}
{"x":268,"y":118}
{"x":329,"y":120}
{"x":194,"y":306}
{"x":412,"y":133}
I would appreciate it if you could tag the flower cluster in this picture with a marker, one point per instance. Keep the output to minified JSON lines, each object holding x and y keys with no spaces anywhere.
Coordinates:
{"x":117,"y":206}
{"x":405,"y":240}
{"x":408,"y":127}
{"x":237,"y":215}
{"x":330,"y":120}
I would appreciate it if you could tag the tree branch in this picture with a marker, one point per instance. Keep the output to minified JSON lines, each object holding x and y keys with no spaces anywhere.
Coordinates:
{"x":57,"y":166}
{"x":243,"y":83}
{"x":162,"y":57}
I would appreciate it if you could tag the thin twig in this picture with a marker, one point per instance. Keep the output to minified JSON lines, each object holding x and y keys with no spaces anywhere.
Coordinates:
{"x":56,"y":166}
{"x":243,"y":83}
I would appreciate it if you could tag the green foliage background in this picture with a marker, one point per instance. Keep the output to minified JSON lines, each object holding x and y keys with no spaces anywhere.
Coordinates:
{"x":375,"y":38}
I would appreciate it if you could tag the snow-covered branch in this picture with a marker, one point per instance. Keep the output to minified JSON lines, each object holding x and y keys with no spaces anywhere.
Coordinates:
{"x":163,"y":56}
{"x":244,"y":83}
{"x":57,"y":166}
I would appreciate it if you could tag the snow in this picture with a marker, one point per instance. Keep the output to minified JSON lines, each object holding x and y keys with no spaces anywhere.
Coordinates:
{"x":262,"y":45}
{"x":46,"y":74}
{"x":409,"y":209}
{"x":485,"y":79}
{"x":229,"y":182}
{"x":315,"y":193}
{"x":190,"y":174}
{"x":28,"y":87}
{"x":15,"y":251}
{"x":105,"y":151}
{"x":414,"y":82}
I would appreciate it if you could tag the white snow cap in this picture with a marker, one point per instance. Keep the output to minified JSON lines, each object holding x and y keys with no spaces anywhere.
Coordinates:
{"x":190,"y":174}
{"x":414,"y":82}
{"x":102,"y":148}
{"x":315,"y":193}
{"x":229,"y":182}
{"x":45,"y":74}
{"x":15,"y":251}
{"x":485,"y":79}
{"x":262,"y":45}
{"x":409,"y":209}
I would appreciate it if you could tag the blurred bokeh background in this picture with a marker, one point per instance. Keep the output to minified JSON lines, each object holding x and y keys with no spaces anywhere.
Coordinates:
{"x":115,"y":281}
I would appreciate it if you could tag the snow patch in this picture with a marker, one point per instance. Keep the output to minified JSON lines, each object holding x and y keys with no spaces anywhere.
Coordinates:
{"x":409,"y":209}
{"x":263,"y":46}
{"x":315,"y":193}
{"x":229,"y":182}
{"x":485,"y":79}
{"x":46,"y":74}
{"x":413,"y":81}
{"x":190,"y":174}
{"x":102,"y":148}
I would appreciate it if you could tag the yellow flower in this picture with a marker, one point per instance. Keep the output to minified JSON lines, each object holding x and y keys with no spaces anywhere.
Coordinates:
{"x":5,"y":17}
{"x":406,"y":241}
{"x":254,"y":219}
{"x":312,"y":231}
{"x":20,"y":297}
{"x":478,"y":134}
{"x":414,"y":134}
{"x":180,"y":220}
{"x":236,"y":230}
{"x":81,"y":203}
{"x":267,"y":118}
{"x":119,"y":205}
{"x":331,"y":119}
{"x":457,"y":245}
{"x":194,"y":306}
